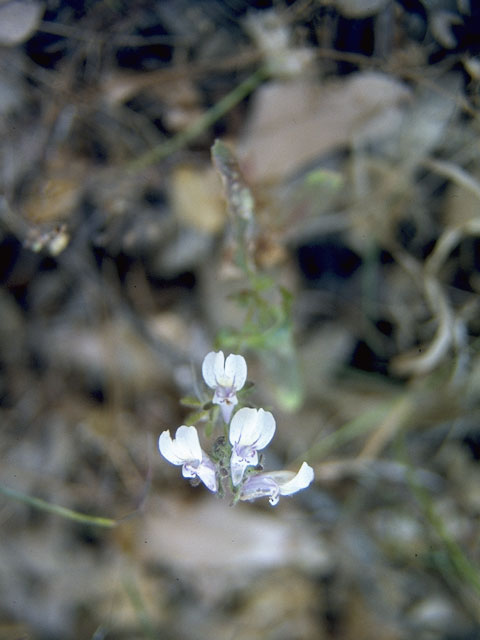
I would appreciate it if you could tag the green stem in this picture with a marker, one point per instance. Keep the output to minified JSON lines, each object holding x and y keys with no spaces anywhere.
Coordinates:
{"x":203,"y":123}
{"x":63,"y":512}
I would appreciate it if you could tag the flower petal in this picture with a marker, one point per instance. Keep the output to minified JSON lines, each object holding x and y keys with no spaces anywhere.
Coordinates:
{"x":189,"y":471}
{"x":187,"y":444}
{"x":210,"y":365}
{"x":260,"y":486}
{"x":226,"y":408}
{"x":239,"y":424}
{"x":267,"y":426}
{"x":300,"y":481}
{"x":221,"y":376}
{"x":239,"y":463}
{"x":167,"y":448}
{"x":272,"y":484}
{"x":207,"y":473}
{"x":237,"y":469}
{"x":252,"y":427}
{"x":236,"y":371}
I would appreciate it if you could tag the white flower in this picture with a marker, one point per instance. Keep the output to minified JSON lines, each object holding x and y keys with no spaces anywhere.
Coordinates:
{"x":273,"y":484}
{"x":226,"y":377}
{"x":185,"y":450}
{"x":250,"y":431}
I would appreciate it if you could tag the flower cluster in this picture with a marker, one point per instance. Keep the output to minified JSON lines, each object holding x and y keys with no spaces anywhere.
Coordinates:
{"x":234,"y":466}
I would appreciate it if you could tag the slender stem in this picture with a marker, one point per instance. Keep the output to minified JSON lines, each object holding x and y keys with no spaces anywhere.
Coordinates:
{"x":63,"y":512}
{"x":203,"y":123}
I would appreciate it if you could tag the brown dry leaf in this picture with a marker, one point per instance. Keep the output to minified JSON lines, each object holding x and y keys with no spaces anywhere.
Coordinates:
{"x":54,"y":196}
{"x":293,"y":123}
{"x":197,"y":199}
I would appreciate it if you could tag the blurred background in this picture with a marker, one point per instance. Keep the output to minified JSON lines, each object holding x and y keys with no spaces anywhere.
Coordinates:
{"x":355,"y":126}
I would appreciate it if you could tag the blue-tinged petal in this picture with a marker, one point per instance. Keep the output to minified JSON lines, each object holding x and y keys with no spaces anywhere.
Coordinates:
{"x":189,"y":470}
{"x":260,"y":486}
{"x":272,"y":484}
{"x":239,"y":461}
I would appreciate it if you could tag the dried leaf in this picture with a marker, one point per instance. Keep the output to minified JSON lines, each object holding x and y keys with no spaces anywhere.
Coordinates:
{"x":294,"y":123}
{"x":196,"y":198}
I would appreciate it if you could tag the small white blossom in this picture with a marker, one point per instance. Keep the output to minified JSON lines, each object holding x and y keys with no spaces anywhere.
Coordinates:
{"x":226,"y":377}
{"x":250,"y":431}
{"x":185,"y":450}
{"x":273,"y":484}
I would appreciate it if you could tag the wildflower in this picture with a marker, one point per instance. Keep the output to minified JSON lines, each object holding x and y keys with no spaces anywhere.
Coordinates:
{"x":273,"y":484}
{"x":250,"y":431}
{"x":226,"y":377}
{"x":185,"y":450}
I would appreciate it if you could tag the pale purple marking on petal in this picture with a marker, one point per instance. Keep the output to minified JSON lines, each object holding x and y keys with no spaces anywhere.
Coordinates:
{"x":236,"y":371}
{"x":260,"y":486}
{"x":276,"y":483}
{"x":239,"y":461}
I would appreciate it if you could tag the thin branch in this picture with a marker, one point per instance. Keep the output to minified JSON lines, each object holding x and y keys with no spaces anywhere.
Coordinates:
{"x":201,"y":125}
{"x":63,"y":512}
